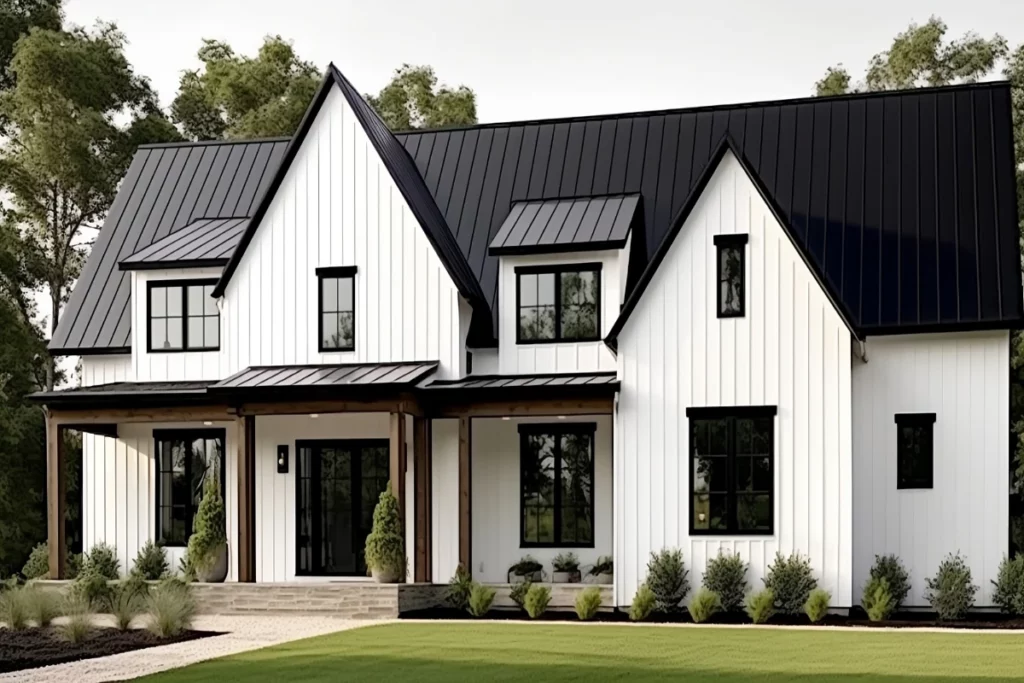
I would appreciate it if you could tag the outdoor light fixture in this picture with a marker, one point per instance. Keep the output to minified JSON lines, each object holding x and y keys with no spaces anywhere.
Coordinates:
{"x":561,"y":417}
{"x":208,"y":423}
{"x":314,"y":415}
{"x":282,"y":459}
{"x":506,"y":418}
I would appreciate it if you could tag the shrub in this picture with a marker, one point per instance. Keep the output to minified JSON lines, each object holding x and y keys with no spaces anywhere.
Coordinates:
{"x":459,"y":588}
{"x":704,"y":605}
{"x":951,"y":592}
{"x":667,"y":579}
{"x":525,"y":567}
{"x":537,"y":600}
{"x":38,"y":564}
{"x":643,"y":603}
{"x":726,"y":574}
{"x":519,"y":591}
{"x":760,"y":606}
{"x":73,"y":567}
{"x":878,"y":600}
{"x":385,"y":548}
{"x":171,"y":607}
{"x":604,"y":565}
{"x":186,"y":569}
{"x":79,"y":624}
{"x":890,"y":568}
{"x":480,"y":600}
{"x":92,"y":588}
{"x":588,"y":602}
{"x":208,"y":535}
{"x":14,"y":609}
{"x":791,"y":580}
{"x":817,"y":605}
{"x":1009,"y":585}
{"x":40,"y":605}
{"x":566,"y":562}
{"x":125,"y":604}
{"x":102,"y":561}
{"x":151,"y":562}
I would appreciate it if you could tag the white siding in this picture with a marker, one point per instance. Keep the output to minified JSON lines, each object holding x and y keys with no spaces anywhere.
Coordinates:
{"x":106,"y":369}
{"x":791,"y":350}
{"x":445,"y":498}
{"x":963,"y":379}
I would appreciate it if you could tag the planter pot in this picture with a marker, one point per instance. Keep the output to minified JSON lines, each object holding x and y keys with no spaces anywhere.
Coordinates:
{"x":535,"y":577}
{"x":385,"y":575}
{"x":566,"y":577}
{"x":604,"y":579}
{"x":217,"y":570}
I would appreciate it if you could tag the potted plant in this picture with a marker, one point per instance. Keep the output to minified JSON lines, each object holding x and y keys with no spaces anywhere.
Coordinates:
{"x":385,"y":548}
{"x":601,"y":572}
{"x":208,"y":545}
{"x":567,"y":568}
{"x":526,"y":569}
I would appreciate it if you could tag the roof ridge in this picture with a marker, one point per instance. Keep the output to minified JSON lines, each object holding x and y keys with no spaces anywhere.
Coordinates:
{"x":210,"y":143}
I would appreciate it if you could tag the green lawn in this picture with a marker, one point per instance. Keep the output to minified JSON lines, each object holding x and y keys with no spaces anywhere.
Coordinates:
{"x":569,"y":652}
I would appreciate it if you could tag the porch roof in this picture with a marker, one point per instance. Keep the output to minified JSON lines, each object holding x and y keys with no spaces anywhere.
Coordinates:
{"x":128,"y":393}
{"x":551,"y":386}
{"x":308,"y":376}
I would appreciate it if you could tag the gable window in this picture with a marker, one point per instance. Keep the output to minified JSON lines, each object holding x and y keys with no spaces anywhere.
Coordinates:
{"x":731,"y":263}
{"x":183,"y":316}
{"x":914,"y":450}
{"x":732,"y":454}
{"x":185,"y":458}
{"x":556,"y":475}
{"x":337,"y":308}
{"x":558,"y":303}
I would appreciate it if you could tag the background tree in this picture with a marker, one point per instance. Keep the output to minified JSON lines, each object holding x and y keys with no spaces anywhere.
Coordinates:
{"x":413,"y":100}
{"x":16,"y":18}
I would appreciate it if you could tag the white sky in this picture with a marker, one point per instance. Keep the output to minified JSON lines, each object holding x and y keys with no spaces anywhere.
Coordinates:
{"x":538,"y":59}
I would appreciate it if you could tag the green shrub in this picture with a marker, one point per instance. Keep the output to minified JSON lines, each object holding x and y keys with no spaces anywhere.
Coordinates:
{"x":527,"y":566}
{"x":667,"y":579}
{"x":704,"y":605}
{"x":726,"y":574}
{"x":73,"y":567}
{"x":817,"y":604}
{"x":760,"y":606}
{"x":1009,"y":585}
{"x":588,"y":602}
{"x":151,"y":562}
{"x":791,"y":580}
{"x":890,"y":568}
{"x":78,"y":624}
{"x":40,"y":604}
{"x":643,"y":603}
{"x":171,"y":607}
{"x":951,"y":592}
{"x":537,"y":600}
{"x":125,"y":604}
{"x":92,"y":588}
{"x":186,"y":569}
{"x":566,"y":562}
{"x":480,"y":600}
{"x":208,"y":535}
{"x":102,"y":561}
{"x":38,"y":564}
{"x":878,"y":600}
{"x":385,"y":547}
{"x":14,"y":609}
{"x":459,"y":588}
{"x":604,"y":565}
{"x":519,"y":590}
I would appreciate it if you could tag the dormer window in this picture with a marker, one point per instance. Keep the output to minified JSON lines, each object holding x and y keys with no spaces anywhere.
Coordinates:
{"x":183,"y":316}
{"x":558,"y":303}
{"x":337,"y":308}
{"x":731,"y":259}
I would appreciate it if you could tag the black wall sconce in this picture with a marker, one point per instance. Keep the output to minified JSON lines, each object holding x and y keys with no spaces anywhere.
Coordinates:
{"x":282,"y":459}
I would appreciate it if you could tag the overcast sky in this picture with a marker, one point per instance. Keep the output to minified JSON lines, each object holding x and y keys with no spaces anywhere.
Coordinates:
{"x":543,"y":58}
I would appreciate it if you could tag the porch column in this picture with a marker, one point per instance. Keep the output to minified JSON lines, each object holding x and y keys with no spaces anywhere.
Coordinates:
{"x":422,"y":472}
{"x":398,"y":453}
{"x":465,"y":493}
{"x":56,"y":486}
{"x":246,"y":436}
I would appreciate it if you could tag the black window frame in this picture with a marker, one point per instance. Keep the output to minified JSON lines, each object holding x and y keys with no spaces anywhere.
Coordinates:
{"x":183,"y":285}
{"x":558,"y":430}
{"x":734,"y":241}
{"x":334,"y":272}
{"x":558,"y":270}
{"x":925,"y":422}
{"x":188,"y":436}
{"x":732,"y":414}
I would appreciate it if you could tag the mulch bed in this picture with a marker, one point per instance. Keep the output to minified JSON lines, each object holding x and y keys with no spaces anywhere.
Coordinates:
{"x":35,"y":647}
{"x":857,"y":617}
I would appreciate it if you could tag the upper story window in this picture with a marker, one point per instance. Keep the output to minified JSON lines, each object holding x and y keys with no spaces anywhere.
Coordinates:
{"x":731,"y":260}
{"x":556,"y":478}
{"x":185,"y":459}
{"x":337,"y":308}
{"x":914,"y":450}
{"x":558,"y":303}
{"x":183,"y":316}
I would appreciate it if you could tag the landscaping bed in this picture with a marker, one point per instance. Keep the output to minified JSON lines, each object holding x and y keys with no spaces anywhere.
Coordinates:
{"x":33,"y":647}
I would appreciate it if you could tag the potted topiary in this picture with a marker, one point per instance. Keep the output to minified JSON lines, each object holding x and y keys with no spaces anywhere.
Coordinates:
{"x":567,"y":568}
{"x":601,"y":572}
{"x":526,"y":569}
{"x":208,"y":545}
{"x":385,"y":548}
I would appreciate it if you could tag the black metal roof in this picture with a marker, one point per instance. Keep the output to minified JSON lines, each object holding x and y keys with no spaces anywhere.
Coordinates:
{"x":569,"y":224}
{"x":483,"y":382}
{"x":333,"y":376}
{"x":204,"y":242}
{"x":126,"y":393}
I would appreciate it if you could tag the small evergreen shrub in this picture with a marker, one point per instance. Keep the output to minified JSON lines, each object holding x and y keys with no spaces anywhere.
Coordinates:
{"x":73,"y":567}
{"x":151,"y":562}
{"x":704,"y":605}
{"x":878,"y":600}
{"x":459,"y":588}
{"x":171,"y":607}
{"x":208,"y":534}
{"x":41,"y":605}
{"x":950,"y":591}
{"x":791,"y":580}
{"x":480,"y":600}
{"x":643,"y":603}
{"x":588,"y":602}
{"x":817,"y":605}
{"x":890,"y":568}
{"x":566,"y":562}
{"x":667,"y":579}
{"x":102,"y":561}
{"x":79,"y":624}
{"x":385,"y":547}
{"x":14,"y":609}
{"x":760,"y":606}
{"x":726,"y":574}
{"x":38,"y":564}
{"x":92,"y":588}
{"x":519,"y":590}
{"x":1008,"y":590}
{"x":537,"y":600}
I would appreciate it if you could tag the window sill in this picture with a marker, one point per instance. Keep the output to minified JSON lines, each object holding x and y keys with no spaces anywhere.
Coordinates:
{"x":531,"y":546}
{"x":202,"y":350}
{"x":534,"y":342}
{"x":731,"y":534}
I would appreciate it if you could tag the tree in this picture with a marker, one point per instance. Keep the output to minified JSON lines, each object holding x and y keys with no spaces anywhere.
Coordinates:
{"x":413,"y":100}
{"x":67,"y":149}
{"x":16,"y":18}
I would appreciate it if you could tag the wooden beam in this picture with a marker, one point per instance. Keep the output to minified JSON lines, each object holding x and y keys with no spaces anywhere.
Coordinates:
{"x":97,"y":428}
{"x":399,"y":462}
{"x":79,"y":418}
{"x":422,"y":456}
{"x":56,"y":487}
{"x":465,"y":493}
{"x":526,"y":408}
{"x":246,"y":551}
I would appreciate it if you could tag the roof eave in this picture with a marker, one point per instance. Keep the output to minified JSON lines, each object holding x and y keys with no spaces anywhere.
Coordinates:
{"x":171,"y":265}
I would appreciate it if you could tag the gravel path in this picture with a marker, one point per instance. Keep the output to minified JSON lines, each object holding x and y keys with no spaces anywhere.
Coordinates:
{"x":241,"y":633}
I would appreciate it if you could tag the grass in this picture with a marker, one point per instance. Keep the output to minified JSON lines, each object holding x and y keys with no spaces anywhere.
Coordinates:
{"x":426,"y":653}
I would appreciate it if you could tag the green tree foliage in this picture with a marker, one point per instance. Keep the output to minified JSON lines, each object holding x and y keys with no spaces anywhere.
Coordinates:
{"x":208,"y":534}
{"x":17,"y":17}
{"x":413,"y":99}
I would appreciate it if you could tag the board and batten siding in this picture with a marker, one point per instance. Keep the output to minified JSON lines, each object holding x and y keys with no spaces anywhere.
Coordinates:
{"x":106,"y":370}
{"x":791,"y":350}
{"x":444,"y":470}
{"x":338,"y":206}
{"x":963,"y":379}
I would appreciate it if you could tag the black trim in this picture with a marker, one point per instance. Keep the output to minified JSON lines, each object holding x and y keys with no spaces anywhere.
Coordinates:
{"x":564,"y":248}
{"x":334,"y":273}
{"x":187,"y":436}
{"x":169,"y":265}
{"x":92,"y":351}
{"x":184,"y":285}
{"x":558,"y":270}
{"x":936,"y":328}
{"x":731,"y":240}
{"x":718,"y":412}
{"x":558,"y":430}
{"x":924,"y":422}
{"x":739,"y":242}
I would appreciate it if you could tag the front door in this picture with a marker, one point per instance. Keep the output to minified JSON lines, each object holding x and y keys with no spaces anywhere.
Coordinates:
{"x":338,"y":485}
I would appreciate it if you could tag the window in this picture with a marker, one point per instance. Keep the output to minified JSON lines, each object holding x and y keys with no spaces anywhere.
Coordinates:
{"x":183,"y":316}
{"x":558,"y":303}
{"x":337,"y":308}
{"x":914,"y":451}
{"x":731,"y":470}
{"x":184,"y":458}
{"x":557,"y":485}
{"x":731,"y":268}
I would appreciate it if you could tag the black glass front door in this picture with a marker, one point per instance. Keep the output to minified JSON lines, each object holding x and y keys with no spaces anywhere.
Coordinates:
{"x":338,"y":485}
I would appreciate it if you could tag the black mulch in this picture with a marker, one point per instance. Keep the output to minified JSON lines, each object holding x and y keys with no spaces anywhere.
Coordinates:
{"x":34,"y":647}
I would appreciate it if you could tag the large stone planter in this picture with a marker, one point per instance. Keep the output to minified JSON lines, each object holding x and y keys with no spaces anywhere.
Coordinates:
{"x":535,"y":577}
{"x":604,"y":579}
{"x":217,"y":571}
{"x":385,"y":575}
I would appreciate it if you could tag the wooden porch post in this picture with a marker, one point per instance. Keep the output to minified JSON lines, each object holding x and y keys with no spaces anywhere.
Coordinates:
{"x":422,"y":466}
{"x":56,"y":486}
{"x":246,"y":435}
{"x":399,"y":455}
{"x":465,"y":493}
